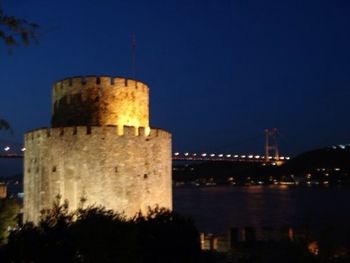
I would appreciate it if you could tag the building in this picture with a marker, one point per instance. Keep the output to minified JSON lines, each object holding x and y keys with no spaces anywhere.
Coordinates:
{"x":100,"y":149}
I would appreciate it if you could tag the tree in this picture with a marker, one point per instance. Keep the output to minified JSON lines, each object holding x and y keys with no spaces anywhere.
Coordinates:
{"x":9,"y":209}
{"x":165,"y":236}
{"x":15,"y":31}
{"x":96,"y":234}
{"x":4,"y":125}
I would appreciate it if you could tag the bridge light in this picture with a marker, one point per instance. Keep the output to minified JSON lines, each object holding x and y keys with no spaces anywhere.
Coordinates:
{"x":176,"y":154}
{"x":270,"y":157}
{"x":228,"y":155}
{"x":257,"y":156}
{"x":23,"y":149}
{"x":282,"y":157}
{"x":204,"y":154}
{"x":220,"y":155}
{"x":287,"y":158}
{"x":194,"y":155}
{"x":7,"y":148}
{"x":236,"y":156}
{"x":212,"y":155}
{"x":250,"y":156}
{"x":243,"y":156}
{"x":186,"y":154}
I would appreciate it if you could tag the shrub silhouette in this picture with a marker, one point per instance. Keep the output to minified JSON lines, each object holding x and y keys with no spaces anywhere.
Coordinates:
{"x":96,"y":234}
{"x":9,"y":209}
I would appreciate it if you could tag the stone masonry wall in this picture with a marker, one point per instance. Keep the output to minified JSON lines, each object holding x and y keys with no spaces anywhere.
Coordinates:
{"x":126,"y":169}
{"x":98,"y":101}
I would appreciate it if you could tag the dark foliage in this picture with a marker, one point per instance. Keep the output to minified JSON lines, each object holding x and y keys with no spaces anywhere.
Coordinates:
{"x":95,"y":234}
{"x":167,"y":237}
{"x":9,"y":208}
{"x":15,"y":31}
{"x":4,"y":125}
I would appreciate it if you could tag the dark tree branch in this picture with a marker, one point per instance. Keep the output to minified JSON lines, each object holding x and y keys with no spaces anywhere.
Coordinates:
{"x":15,"y":31}
{"x":4,"y":125}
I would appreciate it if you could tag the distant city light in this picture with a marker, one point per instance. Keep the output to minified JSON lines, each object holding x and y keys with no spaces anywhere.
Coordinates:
{"x":221,"y":155}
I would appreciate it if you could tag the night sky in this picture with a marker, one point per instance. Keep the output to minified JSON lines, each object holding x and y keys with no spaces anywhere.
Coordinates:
{"x":219,"y":71}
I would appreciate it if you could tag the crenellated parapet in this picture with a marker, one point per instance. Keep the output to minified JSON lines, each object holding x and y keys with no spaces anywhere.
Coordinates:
{"x":111,"y":131}
{"x":127,"y":172}
{"x":100,"y":100}
{"x":65,"y":85}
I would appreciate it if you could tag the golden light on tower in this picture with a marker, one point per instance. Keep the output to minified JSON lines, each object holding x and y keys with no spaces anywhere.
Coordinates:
{"x":100,"y":147}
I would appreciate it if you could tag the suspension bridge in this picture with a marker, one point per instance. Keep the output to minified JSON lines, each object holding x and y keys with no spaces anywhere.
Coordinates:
{"x":14,"y":150}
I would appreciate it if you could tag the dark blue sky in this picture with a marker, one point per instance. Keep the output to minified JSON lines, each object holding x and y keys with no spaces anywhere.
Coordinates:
{"x":219,"y":71}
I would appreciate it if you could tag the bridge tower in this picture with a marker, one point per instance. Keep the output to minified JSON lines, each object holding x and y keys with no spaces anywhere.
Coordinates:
{"x":271,"y":145}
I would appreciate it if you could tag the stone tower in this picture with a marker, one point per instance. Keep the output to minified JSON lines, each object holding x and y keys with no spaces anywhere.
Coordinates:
{"x":100,"y":148}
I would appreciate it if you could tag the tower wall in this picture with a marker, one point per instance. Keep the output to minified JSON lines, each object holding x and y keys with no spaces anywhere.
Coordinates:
{"x":122,"y":168}
{"x":99,"y":101}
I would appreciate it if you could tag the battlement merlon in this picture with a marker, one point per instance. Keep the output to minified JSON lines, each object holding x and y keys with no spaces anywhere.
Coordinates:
{"x":100,"y":81}
{"x":83,"y":85}
{"x":100,"y":147}
{"x":115,"y":131}
{"x":100,"y":100}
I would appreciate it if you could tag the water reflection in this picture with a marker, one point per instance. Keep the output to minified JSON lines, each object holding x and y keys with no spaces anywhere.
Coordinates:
{"x":219,"y":208}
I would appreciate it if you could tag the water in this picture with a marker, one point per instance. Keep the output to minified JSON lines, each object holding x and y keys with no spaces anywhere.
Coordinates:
{"x":216,"y":209}
{"x":10,"y":167}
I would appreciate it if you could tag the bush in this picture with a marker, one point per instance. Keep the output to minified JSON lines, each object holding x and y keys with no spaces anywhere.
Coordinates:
{"x":95,"y":234}
{"x":9,"y":210}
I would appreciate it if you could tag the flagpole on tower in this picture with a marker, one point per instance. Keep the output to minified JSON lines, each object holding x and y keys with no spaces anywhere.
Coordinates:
{"x":133,"y":56}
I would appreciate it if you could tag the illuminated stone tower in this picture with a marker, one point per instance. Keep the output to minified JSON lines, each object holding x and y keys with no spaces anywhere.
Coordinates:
{"x":100,"y":148}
